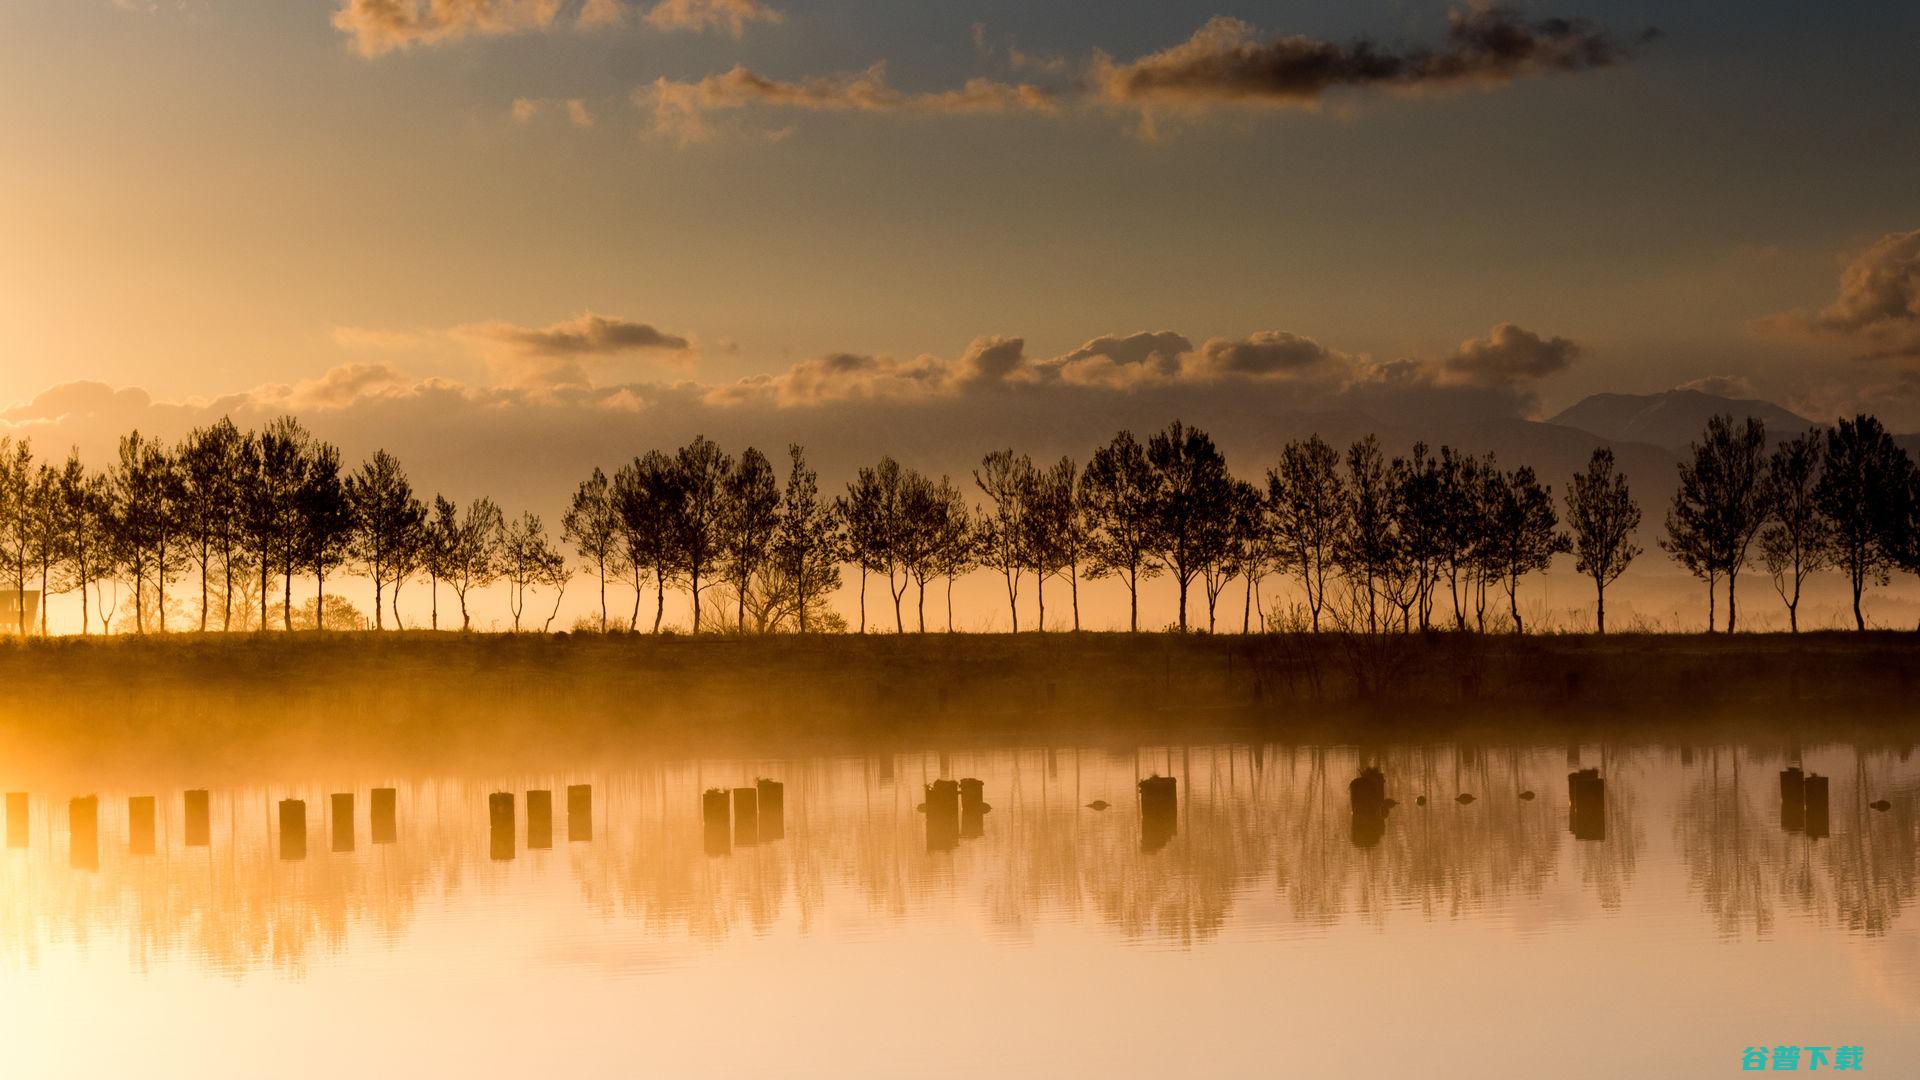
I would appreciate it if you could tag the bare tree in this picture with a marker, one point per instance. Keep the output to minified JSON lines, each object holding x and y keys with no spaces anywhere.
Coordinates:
{"x":527,"y":559}
{"x":1117,"y":491}
{"x":1008,"y":482}
{"x":475,"y":560}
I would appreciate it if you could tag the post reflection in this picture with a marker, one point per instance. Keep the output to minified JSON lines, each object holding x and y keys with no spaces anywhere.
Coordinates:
{"x":1302,"y":835}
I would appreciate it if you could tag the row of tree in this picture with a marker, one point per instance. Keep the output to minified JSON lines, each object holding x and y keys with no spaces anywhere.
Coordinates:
{"x":1372,"y":542}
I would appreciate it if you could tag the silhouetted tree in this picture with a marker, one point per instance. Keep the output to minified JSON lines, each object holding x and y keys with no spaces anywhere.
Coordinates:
{"x":1367,"y":550}
{"x":703,"y":470}
{"x":326,"y":521}
{"x":439,"y":549}
{"x":527,"y":559}
{"x":1866,"y":494}
{"x":749,"y":515}
{"x":1420,"y":520}
{"x":86,"y":511}
{"x":1308,"y":515}
{"x":475,"y":559}
{"x":385,"y":517}
{"x":1193,"y":503}
{"x":1720,"y":506}
{"x":279,"y":475}
{"x":864,"y":509}
{"x":45,"y":539}
{"x":1522,"y":535}
{"x":16,"y":485}
{"x":593,"y":528}
{"x":1224,"y":561}
{"x":1057,"y":531}
{"x":1799,"y":541}
{"x":1117,"y":491}
{"x":146,"y":496}
{"x":210,"y":471}
{"x":955,"y":541}
{"x":1008,"y":483}
{"x":647,"y":499}
{"x":809,"y":539}
{"x":1603,"y":516}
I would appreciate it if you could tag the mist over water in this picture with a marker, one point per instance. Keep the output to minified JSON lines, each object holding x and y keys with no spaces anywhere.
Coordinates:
{"x":873,"y":915}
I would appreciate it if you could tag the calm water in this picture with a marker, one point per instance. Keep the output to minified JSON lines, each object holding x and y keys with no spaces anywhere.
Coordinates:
{"x":1255,"y":928}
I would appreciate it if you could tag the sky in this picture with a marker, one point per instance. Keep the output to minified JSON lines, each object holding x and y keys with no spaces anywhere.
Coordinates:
{"x":567,"y":230}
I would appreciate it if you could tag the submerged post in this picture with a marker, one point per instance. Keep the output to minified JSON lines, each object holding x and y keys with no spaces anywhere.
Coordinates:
{"x":83,"y":833}
{"x":943,"y":815}
{"x":293,"y":829}
{"x":385,"y":827}
{"x":342,"y":808}
{"x":773,"y":809}
{"x":500,"y":825}
{"x":973,"y":808}
{"x":1159,"y":811}
{"x":1816,"y":805}
{"x":539,"y":820}
{"x":746,"y":816}
{"x":16,"y":819}
{"x":1587,"y":810}
{"x":1368,"y":795}
{"x":715,"y":821}
{"x":199,"y":821}
{"x":140,"y":824}
{"x":579,"y":812}
{"x":1793,"y":799}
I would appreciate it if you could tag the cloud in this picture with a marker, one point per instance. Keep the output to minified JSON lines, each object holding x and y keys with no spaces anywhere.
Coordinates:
{"x":680,"y":109}
{"x":379,"y":27}
{"x":598,"y":13}
{"x":586,"y":335}
{"x":524,"y":110}
{"x":733,"y":16}
{"x":1226,"y":62}
{"x":1876,"y":309}
{"x":1509,"y":355}
{"x":1737,"y":387}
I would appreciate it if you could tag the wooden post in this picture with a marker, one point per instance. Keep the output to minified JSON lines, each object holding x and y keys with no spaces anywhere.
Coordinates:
{"x":343,"y":821}
{"x":385,"y":826}
{"x":579,"y":812}
{"x":746,"y":816}
{"x":1159,"y":811}
{"x":943,"y":815}
{"x":1793,"y":799}
{"x":973,"y":808}
{"x":293,"y":829}
{"x":1587,"y":809}
{"x":539,"y":820}
{"x":773,"y":809}
{"x":500,"y":824}
{"x":715,"y":821}
{"x":199,"y":820}
{"x":83,"y":833}
{"x":16,"y":819}
{"x":1816,"y":804}
{"x":140,"y":824}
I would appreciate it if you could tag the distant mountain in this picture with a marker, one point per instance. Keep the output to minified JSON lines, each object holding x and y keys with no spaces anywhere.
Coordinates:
{"x":1673,"y":419}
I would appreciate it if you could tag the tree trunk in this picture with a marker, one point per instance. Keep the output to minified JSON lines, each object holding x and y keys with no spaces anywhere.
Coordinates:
{"x":319,"y":599}
{"x":1133,"y":598}
{"x":863,"y":598}
{"x":659,"y":597}
{"x":1513,"y":598}
{"x":1040,"y":589}
{"x":263,"y":590}
{"x":633,"y":621}
{"x":205,"y":555}
{"x":1013,"y":598}
{"x":1183,"y":602}
{"x":743,"y":603}
{"x":379,"y":601}
{"x":693,"y":584}
{"x":226,"y":595}
{"x":1731,"y":609}
{"x":1859,"y":581}
{"x":920,"y":601}
{"x":1073,"y":588}
{"x":286,"y":603}
{"x":949,"y":603}
{"x":603,"y":597}
{"x":1600,"y":605}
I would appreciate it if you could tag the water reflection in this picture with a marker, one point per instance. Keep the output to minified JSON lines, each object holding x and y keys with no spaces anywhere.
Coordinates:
{"x":1259,"y":836}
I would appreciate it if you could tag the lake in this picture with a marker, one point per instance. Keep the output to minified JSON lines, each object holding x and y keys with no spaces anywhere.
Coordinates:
{"x":878,"y":922}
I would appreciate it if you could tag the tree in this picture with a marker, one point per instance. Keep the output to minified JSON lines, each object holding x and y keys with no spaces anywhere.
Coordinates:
{"x":1193,"y":503}
{"x":1057,"y":531}
{"x":528,"y":559}
{"x":45,"y":538}
{"x":210,"y":471}
{"x":647,"y":500}
{"x":593,"y":528}
{"x":440,"y":549}
{"x":1420,"y":511}
{"x":1117,"y":492}
{"x":1522,"y":535}
{"x":1799,"y":542}
{"x":1008,"y":481}
{"x":1368,"y":551}
{"x":475,"y":558}
{"x":1307,"y":513}
{"x":749,"y":516}
{"x":1865,"y":493}
{"x":1720,"y":505}
{"x":1223,"y":562}
{"x":916,"y":530}
{"x":955,"y":548}
{"x":809,"y":539}
{"x":326,"y":521}
{"x":384,"y":517}
{"x":85,"y":513}
{"x":271,"y":508}
{"x":16,"y":486}
{"x":146,"y":497}
{"x":1603,"y":517}
{"x":704,"y":470}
